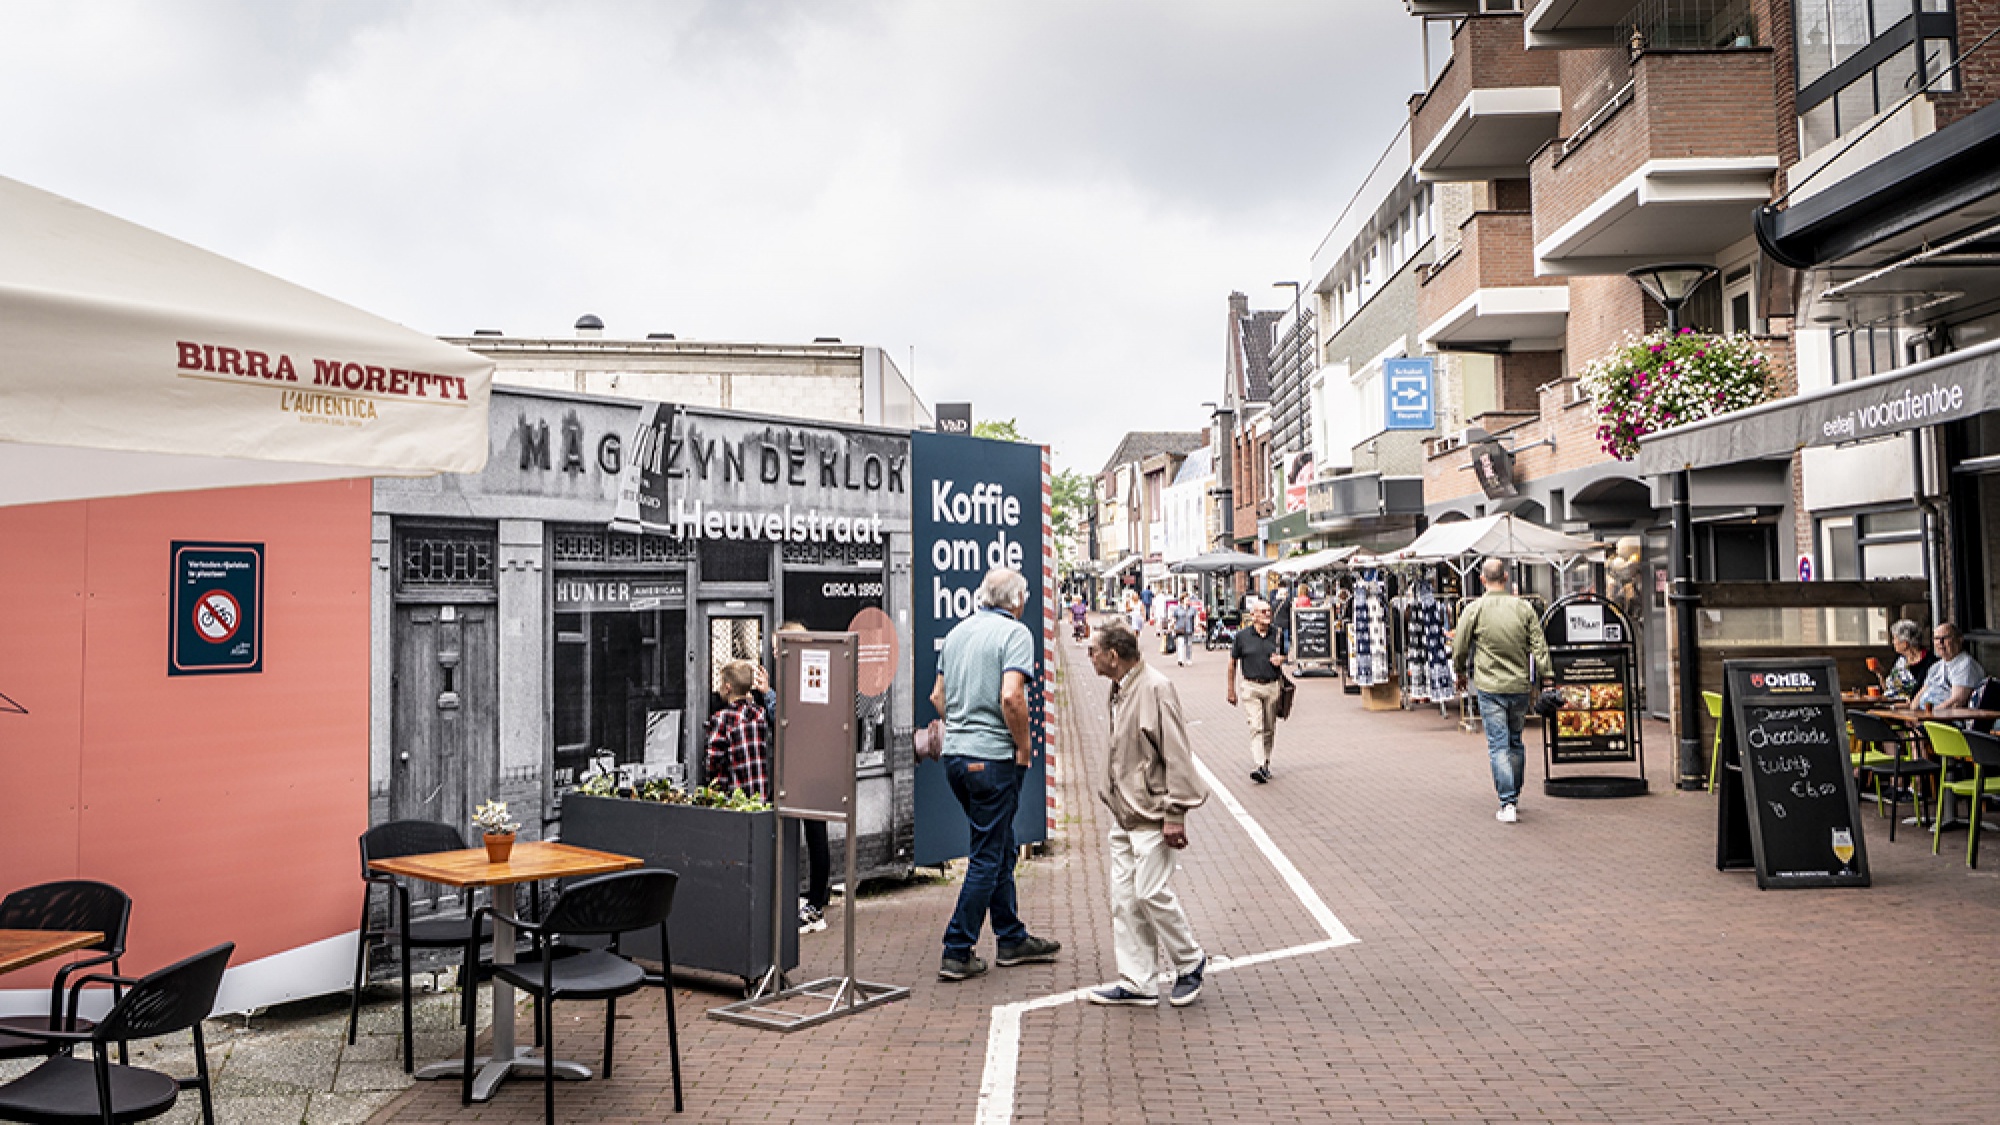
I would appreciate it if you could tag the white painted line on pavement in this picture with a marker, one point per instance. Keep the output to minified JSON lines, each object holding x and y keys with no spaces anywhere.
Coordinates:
{"x":1003,"y":1035}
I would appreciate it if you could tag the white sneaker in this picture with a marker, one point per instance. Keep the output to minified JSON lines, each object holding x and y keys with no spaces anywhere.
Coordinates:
{"x":1507,"y":814}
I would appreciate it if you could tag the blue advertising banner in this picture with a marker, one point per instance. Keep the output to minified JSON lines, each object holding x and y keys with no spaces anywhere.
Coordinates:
{"x":218,"y":619}
{"x":1408,"y":384}
{"x":977,"y":505}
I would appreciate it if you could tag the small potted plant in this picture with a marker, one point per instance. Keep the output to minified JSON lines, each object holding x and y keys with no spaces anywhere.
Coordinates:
{"x":498,"y":829}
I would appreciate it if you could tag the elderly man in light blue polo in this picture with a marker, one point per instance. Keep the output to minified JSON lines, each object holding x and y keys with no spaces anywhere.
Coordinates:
{"x":982,"y":692}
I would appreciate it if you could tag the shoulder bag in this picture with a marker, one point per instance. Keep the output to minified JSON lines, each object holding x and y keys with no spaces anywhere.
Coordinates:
{"x":1286,"y":690}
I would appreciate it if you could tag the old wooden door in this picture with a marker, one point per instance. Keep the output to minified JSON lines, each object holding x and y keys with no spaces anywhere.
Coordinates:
{"x":446,"y":754}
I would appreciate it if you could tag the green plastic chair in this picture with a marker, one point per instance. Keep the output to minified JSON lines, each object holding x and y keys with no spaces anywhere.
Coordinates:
{"x":1953,"y":743}
{"x":1714,"y":701}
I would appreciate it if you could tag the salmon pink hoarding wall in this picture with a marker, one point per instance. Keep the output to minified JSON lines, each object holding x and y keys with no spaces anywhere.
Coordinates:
{"x":226,"y":806}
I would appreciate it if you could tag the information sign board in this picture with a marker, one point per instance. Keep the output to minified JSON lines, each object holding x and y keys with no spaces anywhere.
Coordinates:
{"x":1312,"y":633}
{"x":1598,"y":710}
{"x":1788,"y":805}
{"x":218,"y":609}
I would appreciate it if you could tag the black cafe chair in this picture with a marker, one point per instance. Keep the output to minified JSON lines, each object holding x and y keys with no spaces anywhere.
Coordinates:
{"x":76,"y":905}
{"x":603,"y":907}
{"x":1894,"y":762}
{"x":65,"y":1089}
{"x":402,"y":932}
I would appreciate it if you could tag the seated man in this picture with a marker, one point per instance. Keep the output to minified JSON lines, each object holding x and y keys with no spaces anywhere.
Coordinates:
{"x":1956,"y":674}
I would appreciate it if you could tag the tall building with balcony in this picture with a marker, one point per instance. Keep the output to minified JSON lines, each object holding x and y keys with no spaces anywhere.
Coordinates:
{"x":1569,"y":142}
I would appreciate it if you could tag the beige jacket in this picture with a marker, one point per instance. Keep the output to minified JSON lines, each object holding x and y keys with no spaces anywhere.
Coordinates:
{"x":1149,"y":777}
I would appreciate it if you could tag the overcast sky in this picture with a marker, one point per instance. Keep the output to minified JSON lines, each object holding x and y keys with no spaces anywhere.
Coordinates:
{"x":1050,"y":202}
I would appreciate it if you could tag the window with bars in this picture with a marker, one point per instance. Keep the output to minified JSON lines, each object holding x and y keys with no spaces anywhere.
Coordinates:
{"x":1861,"y":352}
{"x":584,"y":545}
{"x":430,"y":558}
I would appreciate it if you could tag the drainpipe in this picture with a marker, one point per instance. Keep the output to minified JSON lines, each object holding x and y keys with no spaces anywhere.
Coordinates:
{"x":1693,"y":774}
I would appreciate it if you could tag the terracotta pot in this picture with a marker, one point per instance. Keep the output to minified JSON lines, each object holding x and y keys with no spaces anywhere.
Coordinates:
{"x":498,"y":848}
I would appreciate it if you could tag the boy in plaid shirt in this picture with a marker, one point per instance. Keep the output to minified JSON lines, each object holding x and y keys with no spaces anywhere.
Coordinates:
{"x":739,"y":737}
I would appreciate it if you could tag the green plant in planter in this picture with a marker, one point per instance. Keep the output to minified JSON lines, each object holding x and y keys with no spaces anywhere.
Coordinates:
{"x":1658,"y":381}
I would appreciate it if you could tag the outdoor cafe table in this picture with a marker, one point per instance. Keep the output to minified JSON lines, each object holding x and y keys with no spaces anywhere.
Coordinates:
{"x":21,"y":948}
{"x":1910,"y":716}
{"x":529,"y":862}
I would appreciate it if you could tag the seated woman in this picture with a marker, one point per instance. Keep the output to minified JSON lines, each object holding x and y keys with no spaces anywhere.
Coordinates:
{"x":1913,"y":660}
{"x":1956,"y":674}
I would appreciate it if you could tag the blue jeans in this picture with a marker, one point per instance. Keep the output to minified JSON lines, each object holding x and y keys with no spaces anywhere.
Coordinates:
{"x":1504,"y":712}
{"x":989,"y":792}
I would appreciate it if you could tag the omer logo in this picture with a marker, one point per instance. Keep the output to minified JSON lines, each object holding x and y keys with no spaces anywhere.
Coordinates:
{"x":1783,"y":681}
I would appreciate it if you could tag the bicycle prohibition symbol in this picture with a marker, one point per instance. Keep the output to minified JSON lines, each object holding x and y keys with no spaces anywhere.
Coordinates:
{"x":216,"y":616}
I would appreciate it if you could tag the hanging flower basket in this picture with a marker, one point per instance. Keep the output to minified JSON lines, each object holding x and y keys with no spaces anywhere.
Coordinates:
{"x":1658,"y":381}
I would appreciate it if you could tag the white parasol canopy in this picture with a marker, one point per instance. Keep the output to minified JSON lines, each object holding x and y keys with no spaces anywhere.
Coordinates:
{"x":132,"y":362}
{"x":1307,"y":563}
{"x":1498,"y":536}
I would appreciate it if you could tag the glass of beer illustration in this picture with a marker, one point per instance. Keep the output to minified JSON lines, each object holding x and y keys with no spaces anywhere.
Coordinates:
{"x":1843,"y":848}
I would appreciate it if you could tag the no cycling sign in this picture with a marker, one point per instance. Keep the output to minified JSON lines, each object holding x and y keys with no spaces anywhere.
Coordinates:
{"x":218,"y":596}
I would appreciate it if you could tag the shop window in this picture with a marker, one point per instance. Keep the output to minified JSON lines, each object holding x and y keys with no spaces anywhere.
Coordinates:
{"x":620,"y":689}
{"x":1872,"y":545}
{"x":445,"y":558}
{"x":596,"y":545}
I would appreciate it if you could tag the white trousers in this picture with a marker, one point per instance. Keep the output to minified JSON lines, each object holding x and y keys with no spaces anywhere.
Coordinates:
{"x":1145,"y":914}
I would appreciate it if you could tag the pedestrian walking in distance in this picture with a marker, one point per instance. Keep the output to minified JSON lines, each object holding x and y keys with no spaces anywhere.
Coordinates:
{"x":1149,"y":785}
{"x":1257,"y":655}
{"x":982,"y":692}
{"x":1184,"y":618}
{"x":1499,"y":647}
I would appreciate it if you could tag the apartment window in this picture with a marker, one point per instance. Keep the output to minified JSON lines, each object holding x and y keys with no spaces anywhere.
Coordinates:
{"x":1884,"y":544}
{"x":1861,"y":352}
{"x":1857,"y":58}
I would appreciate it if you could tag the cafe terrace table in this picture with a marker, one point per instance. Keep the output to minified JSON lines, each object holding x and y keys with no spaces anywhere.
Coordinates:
{"x":529,"y":862}
{"x":1910,"y":716}
{"x":21,"y":948}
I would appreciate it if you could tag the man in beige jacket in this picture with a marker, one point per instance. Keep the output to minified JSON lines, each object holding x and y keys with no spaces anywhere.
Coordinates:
{"x":1149,"y":785}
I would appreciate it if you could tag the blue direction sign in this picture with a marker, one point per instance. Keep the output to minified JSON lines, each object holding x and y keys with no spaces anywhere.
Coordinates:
{"x":1411,"y":403}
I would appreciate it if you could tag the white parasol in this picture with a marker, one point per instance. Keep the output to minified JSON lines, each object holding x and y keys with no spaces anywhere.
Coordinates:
{"x":132,"y":362}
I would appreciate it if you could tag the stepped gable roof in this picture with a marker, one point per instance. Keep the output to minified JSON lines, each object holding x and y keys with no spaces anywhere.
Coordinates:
{"x":1141,"y":444}
{"x":1259,"y":330}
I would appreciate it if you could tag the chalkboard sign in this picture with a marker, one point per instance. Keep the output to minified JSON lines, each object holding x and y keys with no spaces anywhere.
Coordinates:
{"x":1787,"y":784}
{"x":1312,"y":633}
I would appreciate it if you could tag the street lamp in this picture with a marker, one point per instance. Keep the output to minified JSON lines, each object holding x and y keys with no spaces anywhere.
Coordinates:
{"x":1671,"y":285}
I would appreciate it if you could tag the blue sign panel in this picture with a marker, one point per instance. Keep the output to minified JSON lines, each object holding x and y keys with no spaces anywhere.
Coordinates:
{"x":977,"y":504}
{"x":1411,"y":403}
{"x":218,"y":596}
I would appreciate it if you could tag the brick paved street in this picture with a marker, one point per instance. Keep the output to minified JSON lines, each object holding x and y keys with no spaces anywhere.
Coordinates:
{"x":1588,"y":964}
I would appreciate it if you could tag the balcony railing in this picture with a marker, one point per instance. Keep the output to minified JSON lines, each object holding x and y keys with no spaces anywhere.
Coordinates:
{"x":1689,"y":25}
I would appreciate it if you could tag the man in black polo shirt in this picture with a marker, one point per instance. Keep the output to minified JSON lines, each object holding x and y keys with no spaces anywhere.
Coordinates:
{"x":1256,"y":651}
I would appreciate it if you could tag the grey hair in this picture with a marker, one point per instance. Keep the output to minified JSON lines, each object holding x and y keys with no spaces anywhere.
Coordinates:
{"x":1002,"y":589}
{"x":1117,"y":638}
{"x":1493,"y":570}
{"x":1908,"y":632}
{"x":1253,"y":604}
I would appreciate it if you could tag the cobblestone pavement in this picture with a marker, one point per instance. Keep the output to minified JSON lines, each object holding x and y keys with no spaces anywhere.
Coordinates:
{"x":1587,"y":964}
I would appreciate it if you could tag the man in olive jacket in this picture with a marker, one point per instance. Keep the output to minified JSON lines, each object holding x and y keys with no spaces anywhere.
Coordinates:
{"x":1497,"y":638}
{"x":1149,"y":784}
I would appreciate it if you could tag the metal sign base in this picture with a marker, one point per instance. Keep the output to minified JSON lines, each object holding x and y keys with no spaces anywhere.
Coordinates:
{"x":843,"y":996}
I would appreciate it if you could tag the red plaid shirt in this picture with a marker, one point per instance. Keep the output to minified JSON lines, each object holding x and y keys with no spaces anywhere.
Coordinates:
{"x":739,"y":749}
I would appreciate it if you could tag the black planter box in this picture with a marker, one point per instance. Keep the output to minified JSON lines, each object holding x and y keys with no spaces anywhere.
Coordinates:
{"x":722,"y":909}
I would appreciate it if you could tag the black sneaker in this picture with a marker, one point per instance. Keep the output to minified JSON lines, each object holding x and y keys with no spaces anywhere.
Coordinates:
{"x":1187,"y":986}
{"x":952,"y":969}
{"x":1119,"y":994}
{"x":1028,"y":951}
{"x":1261,"y":774}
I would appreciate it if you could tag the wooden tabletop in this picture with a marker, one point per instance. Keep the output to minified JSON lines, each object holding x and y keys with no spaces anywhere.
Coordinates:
{"x":21,"y":948}
{"x":1939,"y":715}
{"x":530,"y":862}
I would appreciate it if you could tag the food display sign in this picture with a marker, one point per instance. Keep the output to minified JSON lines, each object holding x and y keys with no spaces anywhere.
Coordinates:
{"x":1598,"y":712}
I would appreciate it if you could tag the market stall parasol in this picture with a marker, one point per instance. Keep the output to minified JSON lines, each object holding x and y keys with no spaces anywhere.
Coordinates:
{"x":1464,"y":542}
{"x":131,"y":362}
{"x":1220,"y":562}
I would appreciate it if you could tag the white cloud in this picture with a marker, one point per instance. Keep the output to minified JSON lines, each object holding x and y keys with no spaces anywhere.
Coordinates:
{"x":1049,"y":201}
